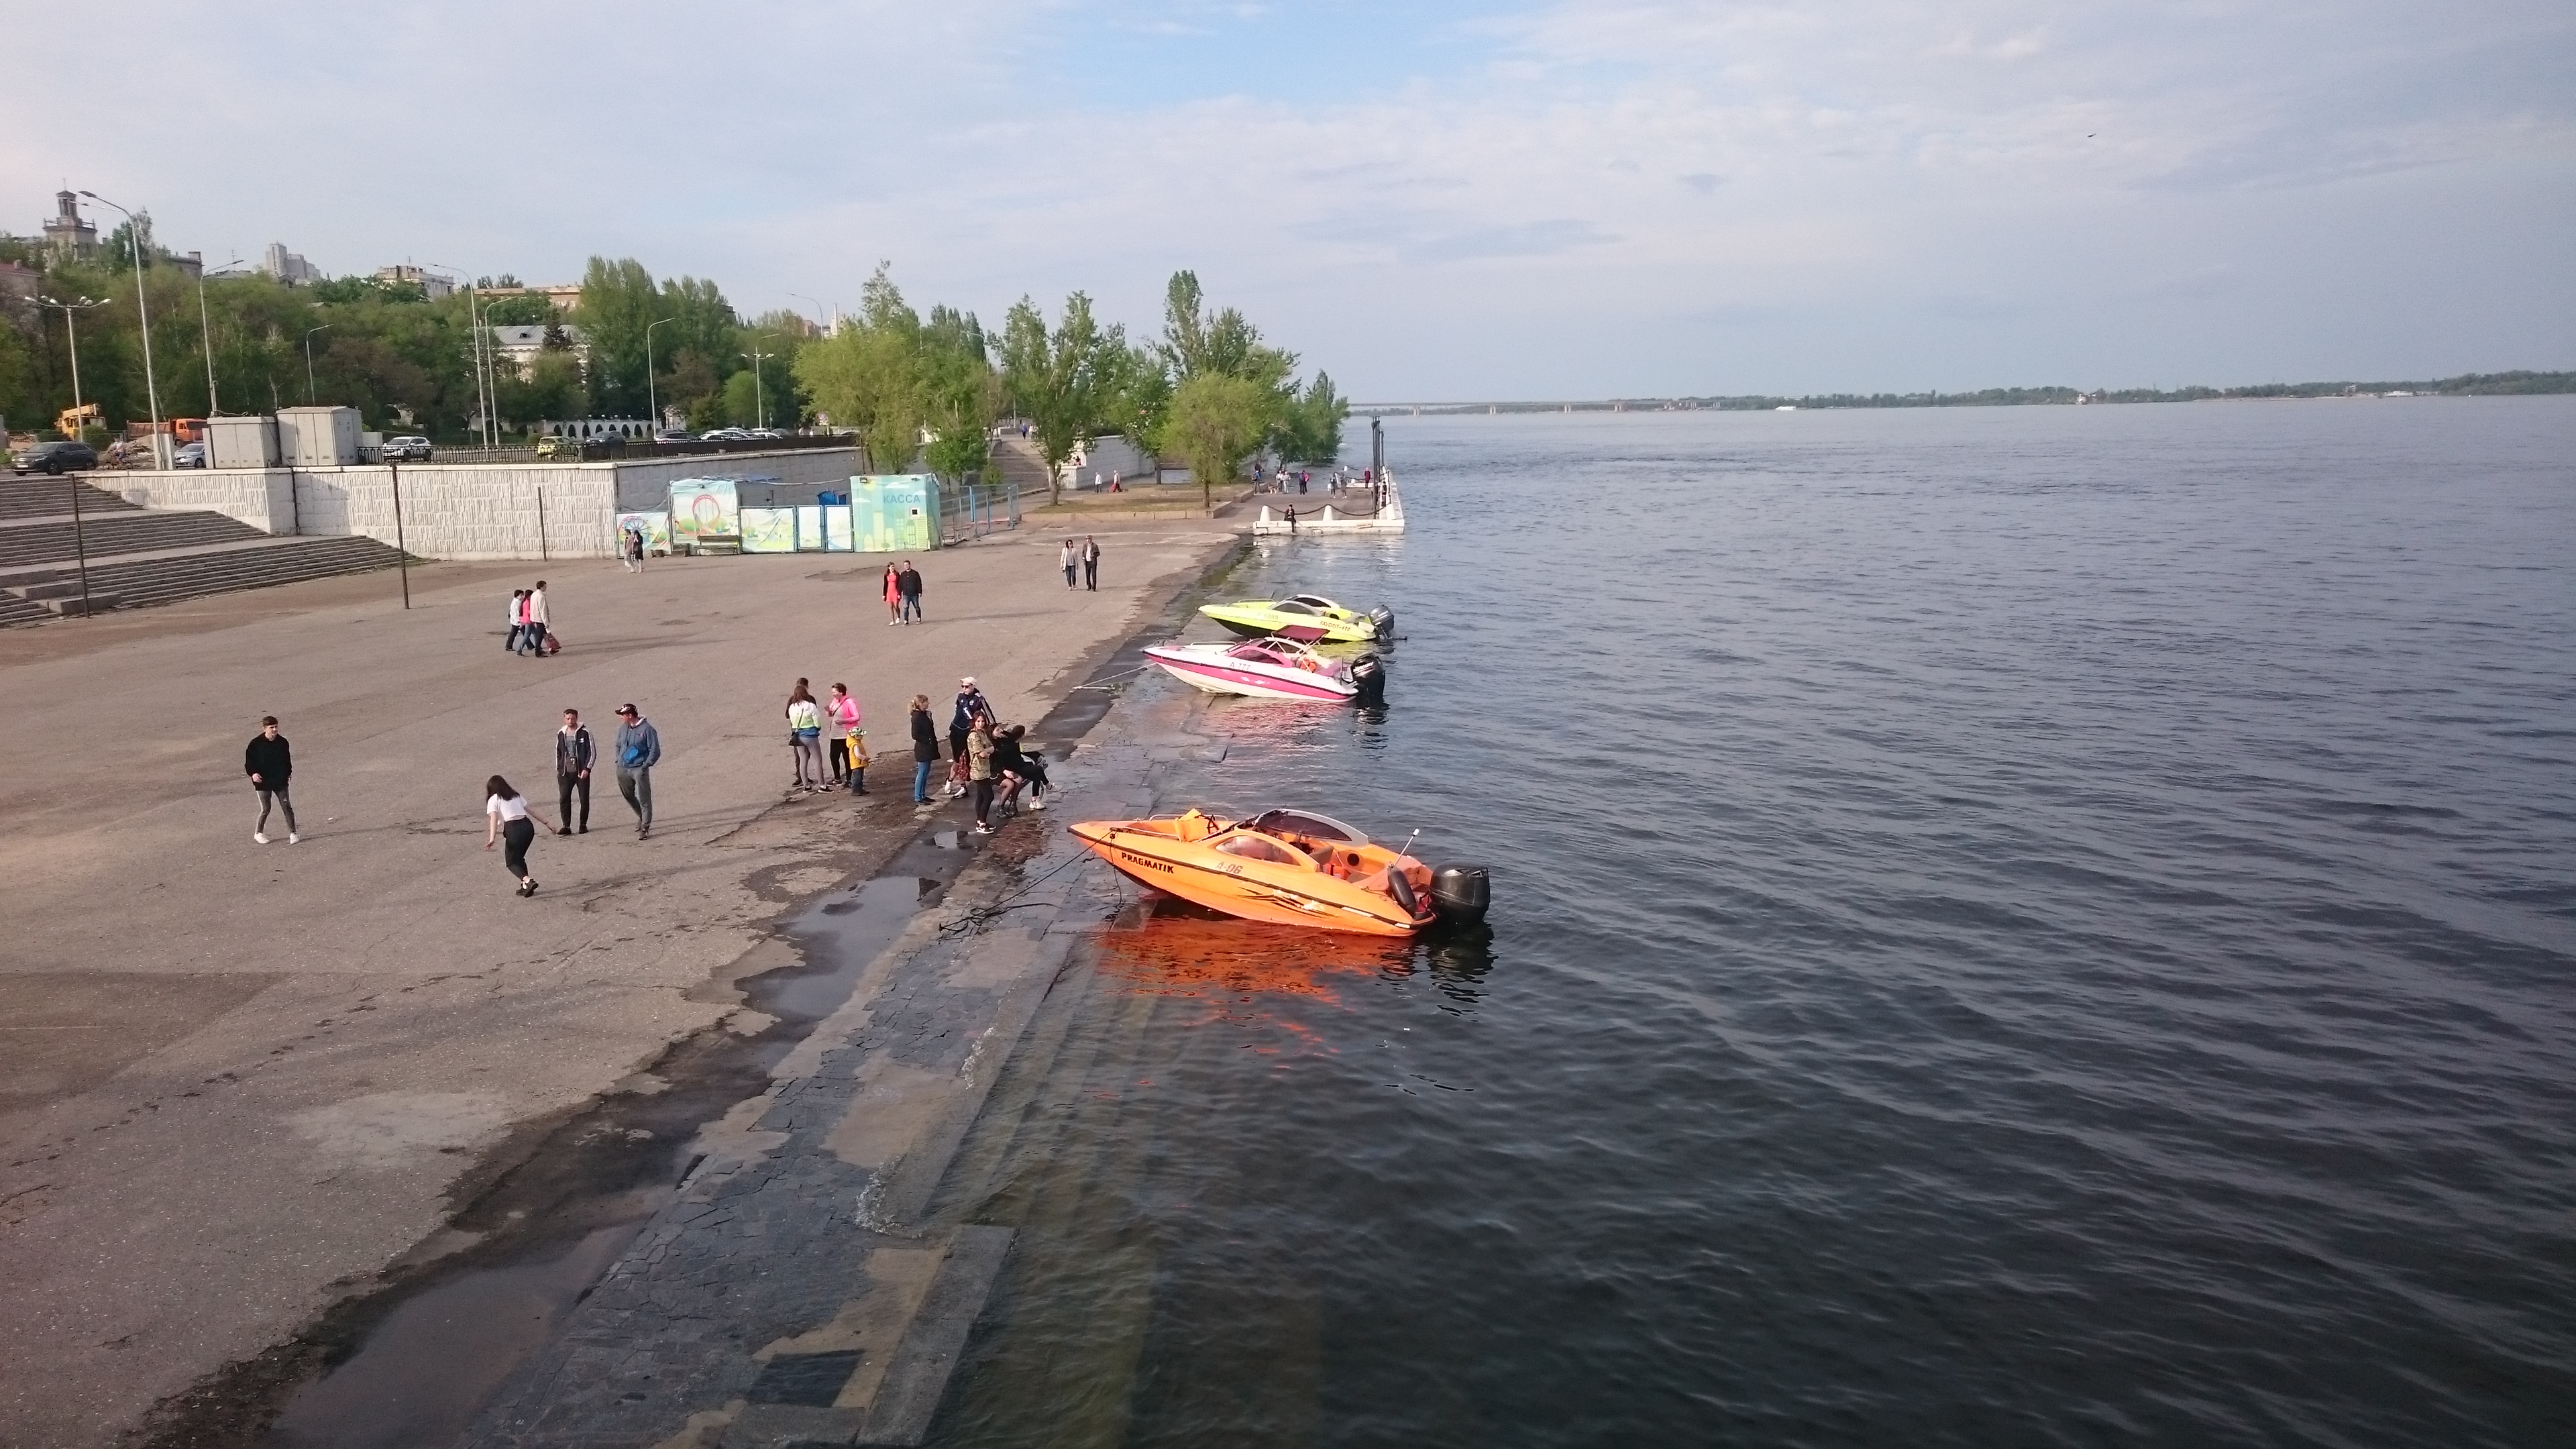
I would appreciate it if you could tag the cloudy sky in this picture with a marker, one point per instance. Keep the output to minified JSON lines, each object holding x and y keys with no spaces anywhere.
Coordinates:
{"x":1433,"y":200}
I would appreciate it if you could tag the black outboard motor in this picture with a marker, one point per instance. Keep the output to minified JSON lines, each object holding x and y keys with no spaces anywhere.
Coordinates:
{"x":1369,"y":675}
{"x":1384,"y":618}
{"x":1459,"y":893}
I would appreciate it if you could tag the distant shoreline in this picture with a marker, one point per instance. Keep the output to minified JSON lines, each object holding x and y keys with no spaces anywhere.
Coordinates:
{"x":2474,"y":384}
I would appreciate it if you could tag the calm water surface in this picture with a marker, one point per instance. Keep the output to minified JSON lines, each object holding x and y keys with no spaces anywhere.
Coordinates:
{"x":2013,"y":927}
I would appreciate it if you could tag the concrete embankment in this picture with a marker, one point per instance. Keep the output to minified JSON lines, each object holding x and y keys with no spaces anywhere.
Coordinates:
{"x":264,"y":1081}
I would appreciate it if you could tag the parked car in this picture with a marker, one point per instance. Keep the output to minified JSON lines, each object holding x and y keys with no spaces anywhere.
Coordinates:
{"x":672,"y":435}
{"x":726,"y":435}
{"x":552,"y":447}
{"x":190,"y":455}
{"x":59,"y":457}
{"x":407,"y":450}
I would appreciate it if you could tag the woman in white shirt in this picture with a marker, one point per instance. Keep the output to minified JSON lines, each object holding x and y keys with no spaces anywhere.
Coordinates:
{"x":507,"y":818}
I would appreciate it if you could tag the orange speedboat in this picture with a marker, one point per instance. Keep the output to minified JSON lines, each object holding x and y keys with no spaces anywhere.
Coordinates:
{"x":1285,"y":866}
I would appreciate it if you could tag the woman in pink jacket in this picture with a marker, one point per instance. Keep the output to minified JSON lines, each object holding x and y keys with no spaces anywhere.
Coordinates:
{"x":849,"y":742}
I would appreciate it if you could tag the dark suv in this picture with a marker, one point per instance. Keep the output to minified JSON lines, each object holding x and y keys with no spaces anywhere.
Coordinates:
{"x":56,"y":457}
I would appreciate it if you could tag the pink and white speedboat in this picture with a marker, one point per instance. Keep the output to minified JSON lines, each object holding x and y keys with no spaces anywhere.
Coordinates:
{"x":1268,"y":668}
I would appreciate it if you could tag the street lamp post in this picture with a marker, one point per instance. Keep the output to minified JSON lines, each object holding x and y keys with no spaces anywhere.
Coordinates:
{"x":759,"y":398}
{"x":818,"y":309}
{"x":652,"y":400}
{"x":72,"y":335}
{"x":151,"y":388}
{"x":80,"y":539}
{"x":206,"y":325}
{"x":308,"y":361}
{"x":482,"y":392}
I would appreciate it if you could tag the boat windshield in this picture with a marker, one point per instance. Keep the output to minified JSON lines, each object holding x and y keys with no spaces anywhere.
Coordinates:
{"x":1317,"y":602}
{"x":1307,"y":824}
{"x":1290,"y":606}
{"x":1258,"y":847}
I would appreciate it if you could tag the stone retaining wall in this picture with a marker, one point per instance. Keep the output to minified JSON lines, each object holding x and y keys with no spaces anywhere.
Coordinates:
{"x":466,"y":510}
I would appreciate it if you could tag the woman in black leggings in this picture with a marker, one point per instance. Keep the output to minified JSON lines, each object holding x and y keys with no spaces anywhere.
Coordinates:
{"x":511,"y":820}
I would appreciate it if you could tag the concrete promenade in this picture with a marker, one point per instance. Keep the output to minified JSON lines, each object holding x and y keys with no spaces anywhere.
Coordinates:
{"x":238,"y":1081}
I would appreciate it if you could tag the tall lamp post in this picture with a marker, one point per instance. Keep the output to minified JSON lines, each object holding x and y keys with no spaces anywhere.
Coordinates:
{"x":818,"y":310}
{"x":759,"y":398}
{"x":483,"y":396}
{"x":151,"y":388}
{"x":72,"y":334}
{"x":652,"y":400}
{"x":206,"y":325}
{"x":308,"y":361}
{"x":80,"y":540}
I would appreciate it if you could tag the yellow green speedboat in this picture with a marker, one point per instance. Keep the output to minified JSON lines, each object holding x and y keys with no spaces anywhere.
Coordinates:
{"x":1307,"y":617}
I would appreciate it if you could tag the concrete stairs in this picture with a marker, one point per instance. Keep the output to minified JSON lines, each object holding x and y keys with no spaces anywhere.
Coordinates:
{"x":37,"y":496}
{"x":138,"y":557}
{"x":1015,"y":460}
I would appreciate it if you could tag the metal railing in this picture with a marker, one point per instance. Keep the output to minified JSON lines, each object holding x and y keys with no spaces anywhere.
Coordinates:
{"x":977,"y":510}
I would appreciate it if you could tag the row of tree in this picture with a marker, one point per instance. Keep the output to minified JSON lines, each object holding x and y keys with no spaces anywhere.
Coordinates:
{"x":1208,"y":393}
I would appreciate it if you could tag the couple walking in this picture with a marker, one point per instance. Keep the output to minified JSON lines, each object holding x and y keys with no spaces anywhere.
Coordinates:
{"x":902,"y":594}
{"x":528,"y":623}
{"x":1085,"y":557}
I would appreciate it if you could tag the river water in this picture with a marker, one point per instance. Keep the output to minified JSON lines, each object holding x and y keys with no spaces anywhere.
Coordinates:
{"x":2013,"y":926}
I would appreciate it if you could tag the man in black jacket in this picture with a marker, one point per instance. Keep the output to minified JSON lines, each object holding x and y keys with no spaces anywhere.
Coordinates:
{"x":573,"y":755}
{"x":270,"y":764}
{"x":907,"y":587}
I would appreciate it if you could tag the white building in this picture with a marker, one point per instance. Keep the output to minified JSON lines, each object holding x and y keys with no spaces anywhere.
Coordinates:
{"x":286,"y":266}
{"x":432,"y":285}
{"x":522,"y":345}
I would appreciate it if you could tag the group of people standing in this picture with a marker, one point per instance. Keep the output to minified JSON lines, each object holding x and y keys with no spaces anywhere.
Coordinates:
{"x":529,"y":623}
{"x":988,"y":762}
{"x":902,"y":593}
{"x":1085,"y":557}
{"x":807,"y":720}
{"x":511,"y":822}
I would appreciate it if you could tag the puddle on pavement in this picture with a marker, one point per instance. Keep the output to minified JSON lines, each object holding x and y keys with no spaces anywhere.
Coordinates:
{"x":431,"y":1354}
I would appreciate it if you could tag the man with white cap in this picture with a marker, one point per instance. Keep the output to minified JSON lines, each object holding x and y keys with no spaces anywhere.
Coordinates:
{"x":970,"y":703}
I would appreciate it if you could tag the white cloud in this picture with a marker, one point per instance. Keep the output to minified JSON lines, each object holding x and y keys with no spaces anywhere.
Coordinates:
{"x":1630,"y":198}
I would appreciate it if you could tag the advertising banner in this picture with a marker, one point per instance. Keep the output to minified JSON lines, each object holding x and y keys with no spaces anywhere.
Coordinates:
{"x":836,"y":527}
{"x":894,"y":512}
{"x":768,"y":530}
{"x":656,"y":528}
{"x":809,"y":526}
{"x":704,"y":508}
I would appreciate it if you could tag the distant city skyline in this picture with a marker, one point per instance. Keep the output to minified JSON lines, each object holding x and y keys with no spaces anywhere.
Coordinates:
{"x":1498,"y":201}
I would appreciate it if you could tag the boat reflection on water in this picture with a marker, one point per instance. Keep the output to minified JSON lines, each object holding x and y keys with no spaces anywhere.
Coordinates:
{"x":1165,"y":946}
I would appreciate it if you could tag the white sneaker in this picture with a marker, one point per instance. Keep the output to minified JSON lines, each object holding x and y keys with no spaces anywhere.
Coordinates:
{"x":259,"y":837}
{"x":1038,"y":804}
{"x":292,"y":837}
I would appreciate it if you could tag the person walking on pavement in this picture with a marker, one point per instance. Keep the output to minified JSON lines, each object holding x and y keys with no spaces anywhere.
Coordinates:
{"x":573,"y":756}
{"x":270,"y":764}
{"x":518,"y":621}
{"x":970,"y":703}
{"x":841,"y":717}
{"x":893,"y":596}
{"x":1091,"y":563}
{"x":639,"y":749}
{"x":979,"y":758}
{"x":533,"y":638}
{"x":909,"y":581}
{"x":507,"y":818}
{"x":805,"y":737}
{"x":631,"y":549}
{"x":925,"y":748}
{"x":1069,"y":563}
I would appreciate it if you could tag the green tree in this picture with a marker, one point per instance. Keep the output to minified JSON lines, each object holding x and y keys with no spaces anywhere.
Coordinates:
{"x":551,"y":391}
{"x":618,"y":301}
{"x":1060,"y":380}
{"x":1214,"y":423}
{"x":1309,"y":429}
{"x":520,"y":311}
